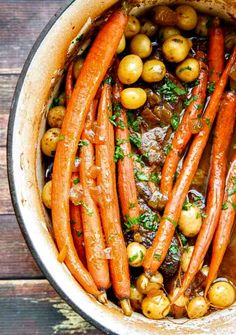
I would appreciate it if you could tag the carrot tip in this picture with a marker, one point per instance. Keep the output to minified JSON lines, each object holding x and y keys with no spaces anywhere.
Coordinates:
{"x":102,"y":298}
{"x":126,"y":307}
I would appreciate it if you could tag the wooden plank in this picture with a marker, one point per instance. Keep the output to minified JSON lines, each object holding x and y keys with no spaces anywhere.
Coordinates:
{"x":7,"y":84}
{"x":21,"y":21}
{"x":16,"y":260}
{"x":5,"y":200}
{"x":33,"y":307}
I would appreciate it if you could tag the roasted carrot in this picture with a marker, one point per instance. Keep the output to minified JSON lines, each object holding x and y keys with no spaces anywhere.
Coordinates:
{"x":69,"y":82}
{"x":125,"y":167}
{"x":225,"y":225}
{"x":183,"y":133}
{"x":92,"y":228}
{"x":215,"y":193}
{"x":91,"y":75}
{"x":157,"y":252}
{"x":109,"y":207}
{"x":216,"y":54}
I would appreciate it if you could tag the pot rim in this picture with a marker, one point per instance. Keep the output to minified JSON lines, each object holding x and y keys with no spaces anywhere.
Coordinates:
{"x":11,"y":177}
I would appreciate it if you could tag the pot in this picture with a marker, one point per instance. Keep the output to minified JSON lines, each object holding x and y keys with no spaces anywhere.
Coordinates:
{"x":25,"y":171}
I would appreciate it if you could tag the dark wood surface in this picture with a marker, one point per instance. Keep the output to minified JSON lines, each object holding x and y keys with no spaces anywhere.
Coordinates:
{"x":28,"y":304}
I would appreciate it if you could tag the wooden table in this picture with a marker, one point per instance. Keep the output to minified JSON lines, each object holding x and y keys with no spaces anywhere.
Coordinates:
{"x":28,"y":304}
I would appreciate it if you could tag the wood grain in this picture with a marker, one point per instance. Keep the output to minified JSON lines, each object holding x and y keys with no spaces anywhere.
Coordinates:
{"x":17,"y":261}
{"x":33,"y":307}
{"x":20,"y":24}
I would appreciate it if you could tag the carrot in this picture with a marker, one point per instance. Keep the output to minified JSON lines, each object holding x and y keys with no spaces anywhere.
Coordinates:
{"x":126,"y":182}
{"x":225,"y":225}
{"x":109,"y":207}
{"x":183,"y":133}
{"x":157,"y":252}
{"x":223,"y":135}
{"x":69,"y":82}
{"x":216,"y":54}
{"x":93,"y":234}
{"x":91,"y":75}
{"x":76,"y":226}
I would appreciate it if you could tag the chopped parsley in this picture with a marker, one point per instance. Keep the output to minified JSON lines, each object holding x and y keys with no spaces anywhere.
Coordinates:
{"x":170,"y":220}
{"x":129,"y":222}
{"x":187,"y":205}
{"x":83,"y":143}
{"x":157,"y":257}
{"x":155,"y":178}
{"x":108,"y":81}
{"x":224,"y":206}
{"x":132,"y":205}
{"x":208,"y":122}
{"x":55,"y":102}
{"x":173,"y":249}
{"x":76,"y":181}
{"x":141,"y":176}
{"x":79,"y":233}
{"x":185,"y":68}
{"x":167,"y":149}
{"x":61,"y":138}
{"x":170,"y":91}
{"x":133,"y":122}
{"x":232,"y":190}
{"x":233,"y":204}
{"x":183,"y":238}
{"x":149,"y":221}
{"x":174,"y":121}
{"x":86,"y":207}
{"x":119,"y":153}
{"x":133,"y":258}
{"x":211,"y":87}
{"x":136,"y":140}
{"x":192,"y":84}
{"x":187,"y":102}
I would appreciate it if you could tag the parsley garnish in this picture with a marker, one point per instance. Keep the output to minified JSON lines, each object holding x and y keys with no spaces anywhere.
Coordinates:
{"x":149,"y":220}
{"x":119,"y":153}
{"x":187,"y":205}
{"x":187,"y":102}
{"x":79,"y":233}
{"x":76,"y":181}
{"x":174,"y":121}
{"x":129,"y":222}
{"x":208,"y":122}
{"x":173,"y":249}
{"x":224,"y":206}
{"x":211,"y":87}
{"x":167,"y":149}
{"x":170,"y":220}
{"x":141,"y":176}
{"x":155,"y":178}
{"x":185,"y":68}
{"x":157,"y":257}
{"x":133,"y":122}
{"x":83,"y":143}
{"x":132,"y":205}
{"x":136,"y":140}
{"x":108,"y":81}
{"x":170,"y":91}
{"x":61,"y":138}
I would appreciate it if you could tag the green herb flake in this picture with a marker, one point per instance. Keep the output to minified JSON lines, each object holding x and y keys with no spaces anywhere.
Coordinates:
{"x":79,"y":233}
{"x":119,"y":153}
{"x":157,"y":257}
{"x":141,"y":176}
{"x":170,"y":91}
{"x":155,"y":178}
{"x":149,"y":221}
{"x":130,"y":222}
{"x":83,"y":143}
{"x":173,"y":249}
{"x":198,"y":107}
{"x":211,"y":87}
{"x":183,"y":238}
{"x":61,"y":138}
{"x":188,"y":68}
{"x":170,"y":220}
{"x":76,"y":181}
{"x":133,"y":258}
{"x":132,"y":205}
{"x":167,"y":149}
{"x":108,"y":81}
{"x":224,"y":206}
{"x":187,"y":102}
{"x":208,"y":122}
{"x":187,"y":205}
{"x":135,"y":140}
{"x":233,"y":204}
{"x":174,"y":121}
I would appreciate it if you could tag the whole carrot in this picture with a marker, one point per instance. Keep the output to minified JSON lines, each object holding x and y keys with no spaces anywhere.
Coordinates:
{"x":183,"y":133}
{"x":69,"y":83}
{"x":216,"y":54}
{"x":92,"y":73}
{"x":93,"y":234}
{"x":126,"y":182}
{"x":223,"y":135}
{"x":157,"y":252}
{"x":109,"y":207}
{"x":225,"y":225}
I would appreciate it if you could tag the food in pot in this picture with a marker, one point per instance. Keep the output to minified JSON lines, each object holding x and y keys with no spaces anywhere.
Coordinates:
{"x":141,"y":164}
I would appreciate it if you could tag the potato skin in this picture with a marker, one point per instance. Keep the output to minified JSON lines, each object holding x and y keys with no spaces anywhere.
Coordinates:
{"x":133,"y":97}
{"x":130,"y":69}
{"x":164,"y":16}
{"x":190,"y":221}
{"x":133,"y":27}
{"x":222,"y":294}
{"x":47,"y":194}
{"x":197,"y":308}
{"x":186,"y":17}
{"x":49,"y":141}
{"x":176,"y":48}
{"x":188,"y":70}
{"x":156,"y":307}
{"x":56,"y":116}
{"x":141,"y":46}
{"x":153,"y":71}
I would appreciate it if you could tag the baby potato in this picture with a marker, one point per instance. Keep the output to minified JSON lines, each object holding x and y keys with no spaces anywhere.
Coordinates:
{"x":156,"y":307}
{"x":164,"y":16}
{"x":142,"y":283}
{"x":49,"y":141}
{"x":176,"y":48}
{"x":182,"y":301}
{"x":190,"y":221}
{"x":202,"y":25}
{"x":188,"y":70}
{"x":133,"y":27}
{"x":166,"y":32}
{"x":77,"y":67}
{"x":186,"y":17}
{"x":153,"y":71}
{"x":122,"y":45}
{"x":136,"y":298}
{"x":47,"y":194}
{"x":133,"y":97}
{"x":197,"y":308}
{"x":136,"y":253}
{"x":56,"y":116}
{"x":221,"y":294}
{"x":148,"y":28}
{"x":141,"y":45}
{"x":186,"y":258}
{"x":130,"y":69}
